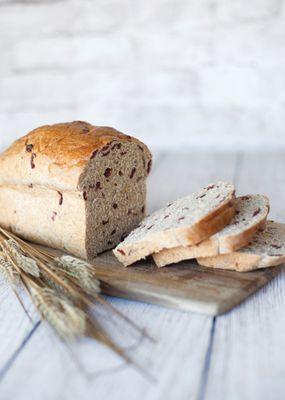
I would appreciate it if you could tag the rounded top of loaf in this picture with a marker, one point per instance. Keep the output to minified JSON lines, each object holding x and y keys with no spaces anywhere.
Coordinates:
{"x":56,"y":155}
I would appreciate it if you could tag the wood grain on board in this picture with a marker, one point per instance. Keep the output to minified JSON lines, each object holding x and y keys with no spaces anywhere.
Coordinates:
{"x":186,"y":285}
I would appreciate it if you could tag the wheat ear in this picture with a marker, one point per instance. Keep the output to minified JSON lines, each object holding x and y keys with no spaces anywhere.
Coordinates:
{"x":27,"y":264}
{"x":82,"y":272}
{"x":66,"y":319}
{"x":8,"y":272}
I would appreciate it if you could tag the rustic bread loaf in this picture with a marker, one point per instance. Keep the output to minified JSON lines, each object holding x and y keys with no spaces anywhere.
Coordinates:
{"x":74,"y":186}
{"x":187,"y":221}
{"x":266,"y":249}
{"x":251,"y":214}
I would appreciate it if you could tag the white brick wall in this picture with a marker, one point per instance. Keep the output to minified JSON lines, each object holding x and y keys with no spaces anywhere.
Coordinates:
{"x":183,"y":73}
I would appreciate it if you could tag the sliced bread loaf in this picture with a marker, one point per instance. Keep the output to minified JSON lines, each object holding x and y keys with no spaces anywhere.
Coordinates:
{"x":187,"y":221}
{"x":251,"y":214}
{"x":74,"y":186}
{"x":266,"y":249}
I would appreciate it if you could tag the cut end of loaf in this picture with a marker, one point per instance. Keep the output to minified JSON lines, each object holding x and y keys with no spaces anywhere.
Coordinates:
{"x":114,"y":189}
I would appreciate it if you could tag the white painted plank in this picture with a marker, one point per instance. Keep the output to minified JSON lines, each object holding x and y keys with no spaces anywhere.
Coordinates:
{"x":177,"y":361}
{"x":46,"y":369}
{"x":14,"y":324}
{"x":247,"y":361}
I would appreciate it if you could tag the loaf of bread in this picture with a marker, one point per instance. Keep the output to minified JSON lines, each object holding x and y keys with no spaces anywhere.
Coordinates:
{"x":74,"y":186}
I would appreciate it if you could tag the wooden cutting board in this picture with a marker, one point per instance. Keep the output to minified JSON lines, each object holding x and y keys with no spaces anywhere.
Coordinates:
{"x":186,"y":285}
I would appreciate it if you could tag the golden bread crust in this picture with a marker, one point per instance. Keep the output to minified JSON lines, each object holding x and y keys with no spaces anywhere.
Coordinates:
{"x":55,"y":155}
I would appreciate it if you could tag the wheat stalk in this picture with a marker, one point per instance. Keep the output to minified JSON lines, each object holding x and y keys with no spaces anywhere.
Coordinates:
{"x":82,"y":272}
{"x":67,"y":320}
{"x":8,"y":272}
{"x":52,"y":284}
{"x":12,"y":250}
{"x":62,"y":289}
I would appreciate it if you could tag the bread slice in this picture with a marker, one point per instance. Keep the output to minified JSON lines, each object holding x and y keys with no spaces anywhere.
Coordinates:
{"x":187,"y":221}
{"x":251,"y":214}
{"x":266,"y":249}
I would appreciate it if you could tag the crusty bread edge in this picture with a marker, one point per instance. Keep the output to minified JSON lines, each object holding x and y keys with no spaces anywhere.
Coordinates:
{"x":208,"y":247}
{"x":206,"y":227}
{"x":211,"y":247}
{"x":234,"y":242}
{"x":241,"y":262}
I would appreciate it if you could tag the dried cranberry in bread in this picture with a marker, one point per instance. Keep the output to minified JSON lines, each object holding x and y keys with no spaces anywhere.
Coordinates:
{"x":251,"y":214}
{"x":187,"y":221}
{"x":266,"y":249}
{"x":74,"y":186}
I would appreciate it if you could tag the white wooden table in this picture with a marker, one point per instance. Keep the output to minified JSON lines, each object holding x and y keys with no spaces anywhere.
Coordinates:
{"x":239,"y":355}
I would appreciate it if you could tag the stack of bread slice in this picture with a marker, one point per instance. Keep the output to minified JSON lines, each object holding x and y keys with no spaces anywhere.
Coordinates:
{"x":214,"y":226}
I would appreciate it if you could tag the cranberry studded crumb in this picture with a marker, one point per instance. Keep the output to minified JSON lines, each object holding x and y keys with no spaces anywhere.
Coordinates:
{"x":115,"y":205}
{"x":54,"y":214}
{"x":94,"y":154}
{"x":121,"y":251}
{"x":85,"y":195}
{"x":133,"y":171}
{"x":210,"y":187}
{"x":106,"y":147}
{"x":120,"y":173}
{"x":256,"y":212}
{"x":105,"y":222}
{"x":33,"y":156}
{"x":30,"y":185}
{"x":275,"y":246}
{"x":60,"y":198}
{"x":117,"y":146}
{"x":110,"y":242}
{"x":123,"y":153}
{"x":140,"y":147}
{"x":143,"y":209}
{"x":113,"y":232}
{"x":98,"y":185}
{"x":106,"y":150}
{"x":107,"y":172}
